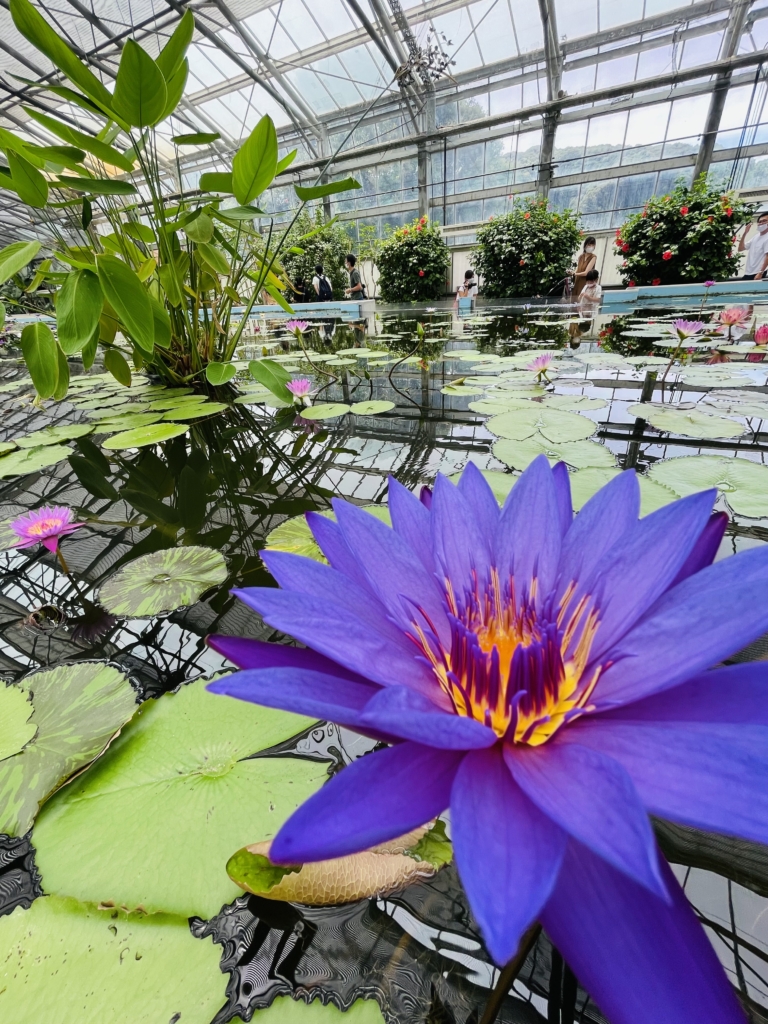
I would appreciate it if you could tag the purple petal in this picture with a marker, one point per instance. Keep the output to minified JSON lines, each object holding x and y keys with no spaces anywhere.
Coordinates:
{"x":705,"y":548}
{"x":562,"y":482}
{"x":411,"y":520}
{"x":247,"y":653}
{"x":639,"y":957}
{"x":459,"y":546}
{"x":331,"y":542}
{"x":297,"y":574}
{"x":379,"y":797}
{"x":402,"y":712}
{"x":592,"y":797}
{"x":528,"y":540}
{"x":480,"y":498}
{"x":701,"y":621}
{"x":650,"y":555}
{"x":376,"y":650}
{"x":50,"y":542}
{"x":713,"y":777}
{"x":302,"y":691}
{"x":394,"y":572}
{"x":507,"y":852}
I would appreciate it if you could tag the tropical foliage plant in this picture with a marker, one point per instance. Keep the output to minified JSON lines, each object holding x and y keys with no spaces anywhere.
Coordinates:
{"x":526,"y":251}
{"x":314,"y":240}
{"x":686,"y":235}
{"x":170,"y":283}
{"x":413,"y":263}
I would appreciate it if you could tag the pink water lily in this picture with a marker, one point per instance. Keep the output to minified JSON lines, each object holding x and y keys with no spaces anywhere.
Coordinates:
{"x":300,"y":388}
{"x":541,"y":364}
{"x":687,"y":328}
{"x":44,"y":526}
{"x":297,"y":326}
{"x":761,"y":335}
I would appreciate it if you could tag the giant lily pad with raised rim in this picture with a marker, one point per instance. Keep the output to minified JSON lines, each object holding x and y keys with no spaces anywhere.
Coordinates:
{"x":16,"y":730}
{"x":743,"y":483}
{"x":32,"y":460}
{"x":54,"y":435}
{"x":141,"y":436}
{"x":76,"y":711}
{"x":579,"y":454}
{"x":163,"y":581}
{"x":554,"y":425}
{"x":160,"y":814}
{"x":98,"y":966}
{"x":688,"y":422}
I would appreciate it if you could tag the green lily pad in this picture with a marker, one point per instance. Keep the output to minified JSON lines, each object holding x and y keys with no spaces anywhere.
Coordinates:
{"x":6,"y":446}
{"x":15,"y":385}
{"x":372,"y":408}
{"x":746,"y":405}
{"x":196,"y":411}
{"x":16,"y":730}
{"x":76,"y":710}
{"x":554,"y":425}
{"x":140,"y":436}
{"x":325,"y":411}
{"x":163,"y":581}
{"x":743,"y":483}
{"x":496,"y":406}
{"x":339,"y":362}
{"x":688,"y":422}
{"x":460,"y":389}
{"x":295,"y":536}
{"x":130,"y":421}
{"x":54,"y":435}
{"x":579,"y":403}
{"x":579,"y":454}
{"x":180,"y":785}
{"x":32,"y":460}
{"x":353,"y":351}
{"x":105,"y":965}
{"x":173,"y":401}
{"x":588,"y":482}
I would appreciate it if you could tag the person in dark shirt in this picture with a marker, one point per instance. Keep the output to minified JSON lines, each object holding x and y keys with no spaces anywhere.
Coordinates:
{"x":356,"y":288}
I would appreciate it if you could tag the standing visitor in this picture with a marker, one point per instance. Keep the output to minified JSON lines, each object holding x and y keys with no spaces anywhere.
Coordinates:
{"x":356,"y":288}
{"x":586,"y":263}
{"x":321,"y":284}
{"x":591,"y":293}
{"x":468,"y":288}
{"x":756,"y":248}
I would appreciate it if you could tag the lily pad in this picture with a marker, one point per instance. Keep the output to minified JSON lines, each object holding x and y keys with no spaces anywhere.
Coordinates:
{"x":6,"y":446}
{"x":76,"y":710}
{"x":579,"y":403}
{"x":173,"y":401}
{"x":179,"y":785}
{"x":371,"y":408}
{"x":295,"y":536}
{"x":579,"y":454}
{"x":460,"y":389}
{"x":496,"y":406}
{"x":746,"y":405}
{"x":163,"y":581}
{"x":353,"y":351}
{"x":130,"y":421}
{"x":743,"y":483}
{"x":587,"y":482}
{"x":339,"y":362}
{"x":54,"y":435}
{"x":500,"y":483}
{"x":325,"y":411}
{"x":32,"y":460}
{"x":688,"y":422}
{"x":140,"y":436}
{"x":16,"y":730}
{"x":195,"y":412}
{"x":105,"y":965}
{"x":554,"y":425}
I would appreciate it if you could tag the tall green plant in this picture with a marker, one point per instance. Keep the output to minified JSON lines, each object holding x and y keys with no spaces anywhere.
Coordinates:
{"x":170,"y":284}
{"x":312,"y":241}
{"x":413,"y":263}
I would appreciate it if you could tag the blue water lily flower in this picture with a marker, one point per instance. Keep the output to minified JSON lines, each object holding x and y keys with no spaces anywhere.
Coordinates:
{"x":549,"y":679}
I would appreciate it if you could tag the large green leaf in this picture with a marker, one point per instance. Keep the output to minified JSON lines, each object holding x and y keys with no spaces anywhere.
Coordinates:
{"x":688,"y":422}
{"x":32,"y":460}
{"x":172,"y":54}
{"x":140,"y":90}
{"x":201,"y":230}
{"x":16,"y":730}
{"x":179,"y":784}
{"x":54,"y":435}
{"x":101,"y":150}
{"x":78,"y":307}
{"x":163,"y":581}
{"x":99,"y":966}
{"x":115,"y":362}
{"x":37,"y":30}
{"x":214,"y":257}
{"x":30,"y":184}
{"x":175,"y":90}
{"x":195,"y":138}
{"x":141,"y":436}
{"x":325,"y":411}
{"x":554,"y":425}
{"x":329,"y":188}
{"x":77,"y":710}
{"x":98,"y":186}
{"x":255,"y":163}
{"x":129,"y":298}
{"x":285,"y":162}
{"x":743,"y":483}
{"x":588,"y":482}
{"x":62,"y":378}
{"x":161,"y":322}
{"x":579,"y":454}
{"x":272,"y":376}
{"x":219,"y":373}
{"x":15,"y":257}
{"x":216,"y":181}
{"x":38,"y":347}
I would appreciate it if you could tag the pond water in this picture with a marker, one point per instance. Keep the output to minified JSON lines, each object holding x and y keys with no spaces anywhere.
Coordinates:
{"x":415,"y":392}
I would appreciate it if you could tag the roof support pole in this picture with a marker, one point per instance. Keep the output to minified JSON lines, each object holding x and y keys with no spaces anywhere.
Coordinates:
{"x":728,"y":48}
{"x":422,"y":159}
{"x":554,"y":66}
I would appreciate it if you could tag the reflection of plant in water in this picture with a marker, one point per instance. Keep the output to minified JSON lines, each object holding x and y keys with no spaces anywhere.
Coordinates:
{"x":514,"y":329}
{"x":612,"y":339}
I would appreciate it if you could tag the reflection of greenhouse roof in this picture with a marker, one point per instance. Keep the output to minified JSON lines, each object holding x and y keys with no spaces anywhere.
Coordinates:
{"x":351,"y":74}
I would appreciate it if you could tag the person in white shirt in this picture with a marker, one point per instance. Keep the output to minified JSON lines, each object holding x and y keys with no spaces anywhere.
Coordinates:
{"x":591,"y":293}
{"x":756,"y":248}
{"x":468,"y":288}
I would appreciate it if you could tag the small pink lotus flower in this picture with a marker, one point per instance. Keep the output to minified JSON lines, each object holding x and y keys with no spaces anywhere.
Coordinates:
{"x":297,"y":326}
{"x":44,"y":526}
{"x":687,"y":328}
{"x":540,"y":365}
{"x":761,"y":335}
{"x":301,"y":389}
{"x":734,"y":316}
{"x":710,"y":284}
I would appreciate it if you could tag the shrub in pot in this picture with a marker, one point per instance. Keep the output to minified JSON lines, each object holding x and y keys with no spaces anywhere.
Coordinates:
{"x":413,"y":263}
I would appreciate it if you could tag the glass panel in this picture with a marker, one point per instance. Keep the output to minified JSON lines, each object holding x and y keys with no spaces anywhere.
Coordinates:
{"x":528,"y":28}
{"x":366,"y":196}
{"x":410,"y":179}
{"x":314,"y":92}
{"x":619,"y":12}
{"x":332,"y":16}
{"x":294,"y":18}
{"x":616,"y":72}
{"x":576,"y":19}
{"x":720,"y":172}
{"x":390,"y":181}
{"x":757,"y":172}
{"x":363,"y":71}
{"x":646,"y":128}
{"x":503,"y":100}
{"x":597,"y":196}
{"x":687,"y":118}
{"x":655,"y":62}
{"x":668,"y":179}
{"x":534,"y":92}
{"x":701,"y":50}
{"x":473,"y":107}
{"x":494,"y":207}
{"x":446,"y":114}
{"x":528,"y":153}
{"x":579,"y":80}
{"x":469,"y":164}
{"x":209,"y":66}
{"x":458,"y":28}
{"x":564,"y":198}
{"x":570,"y":140}
{"x":468,"y":213}
{"x":633,"y":191}
{"x":270,"y":34}
{"x":336,"y":81}
{"x":397,"y":220}
{"x":493,"y":30}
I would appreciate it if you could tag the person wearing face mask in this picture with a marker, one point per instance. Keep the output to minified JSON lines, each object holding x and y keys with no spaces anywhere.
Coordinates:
{"x":756,"y":248}
{"x":587,"y":261}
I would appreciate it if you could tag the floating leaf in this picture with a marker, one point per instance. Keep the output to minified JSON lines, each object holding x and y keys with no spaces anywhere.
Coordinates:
{"x":145,"y":435}
{"x":743,"y":483}
{"x":579,"y":454}
{"x":130,"y":421}
{"x":195,"y":411}
{"x":460,"y":389}
{"x":295,"y":536}
{"x":588,"y":481}
{"x":54,"y":435}
{"x":371,"y":408}
{"x":163,"y":581}
{"x":554,"y":425}
{"x":579,"y":403}
{"x":106,"y":965}
{"x":77,"y":710}
{"x":16,"y":730}
{"x":182,"y":773}
{"x":688,"y":422}
{"x":32,"y":460}
{"x":325,"y":411}
{"x":220,"y":373}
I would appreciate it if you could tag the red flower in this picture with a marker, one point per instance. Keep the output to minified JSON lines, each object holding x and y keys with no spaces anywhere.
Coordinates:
{"x":526,"y":216}
{"x":656,"y":280}
{"x":710,"y":219}
{"x":683,"y":210}
{"x":405,"y":231}
{"x":667,"y":255}
{"x":728,"y":211}
{"x":522,"y":263}
{"x":421,"y":273}
{"x":630,"y":284}
{"x":418,"y":227}
{"x":645,"y":213}
{"x":625,"y":247}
